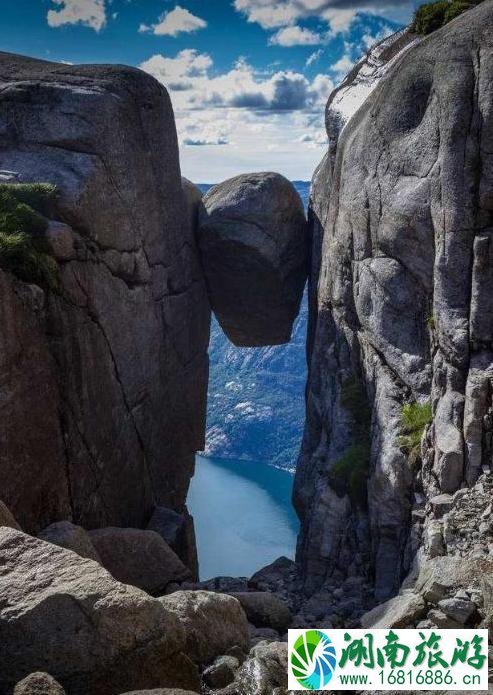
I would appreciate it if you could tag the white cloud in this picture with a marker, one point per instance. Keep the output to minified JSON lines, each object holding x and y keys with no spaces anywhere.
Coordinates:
{"x":176,"y":73}
{"x":268,"y":14}
{"x":313,"y":57}
{"x":340,"y":20}
{"x":272,"y":14}
{"x":295,"y":36}
{"x":202,"y":142}
{"x":177,"y":21}
{"x":258,"y":118}
{"x":91,"y":13}
{"x":240,"y":88}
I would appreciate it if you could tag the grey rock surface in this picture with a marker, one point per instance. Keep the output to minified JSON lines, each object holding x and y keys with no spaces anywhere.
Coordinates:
{"x":264,"y":609}
{"x":213,"y":623}
{"x":140,"y":558}
{"x":38,"y":684}
{"x":35,"y":486}
{"x":115,"y":372}
{"x":66,"y":616}
{"x":401,"y":217}
{"x":71,"y":537}
{"x":458,"y":609}
{"x":7,"y":518}
{"x":179,"y":533}
{"x":221,"y":673}
{"x":254,"y":249}
{"x":263,"y":634}
{"x":193,"y":198}
{"x":397,"y":612}
{"x":263,"y":673}
{"x":275,"y":576}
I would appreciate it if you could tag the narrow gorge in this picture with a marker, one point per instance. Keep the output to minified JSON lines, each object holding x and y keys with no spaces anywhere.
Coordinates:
{"x":111,"y":265}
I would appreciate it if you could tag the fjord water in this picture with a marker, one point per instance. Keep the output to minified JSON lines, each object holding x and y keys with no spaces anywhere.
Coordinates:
{"x":243,"y":516}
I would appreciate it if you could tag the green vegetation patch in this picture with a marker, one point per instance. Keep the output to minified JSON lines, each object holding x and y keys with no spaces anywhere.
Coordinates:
{"x":24,"y":249}
{"x":434,"y":15}
{"x":414,"y":419}
{"x":349,"y":474}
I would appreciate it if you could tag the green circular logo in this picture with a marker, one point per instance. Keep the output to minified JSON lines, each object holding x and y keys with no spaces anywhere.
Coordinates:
{"x":313,"y":659}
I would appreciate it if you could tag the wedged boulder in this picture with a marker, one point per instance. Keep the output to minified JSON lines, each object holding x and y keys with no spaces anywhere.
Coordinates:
{"x":72,"y":537}
{"x":66,"y":616}
{"x":265,"y":672}
{"x":137,"y":557}
{"x":264,"y":609}
{"x":253,"y":242}
{"x":213,"y":623}
{"x":39,"y":684}
{"x":7,"y":518}
{"x":400,"y":611}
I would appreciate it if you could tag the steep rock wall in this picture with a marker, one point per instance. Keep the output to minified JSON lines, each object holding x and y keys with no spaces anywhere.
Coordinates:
{"x":402,"y":212}
{"x":118,"y":359}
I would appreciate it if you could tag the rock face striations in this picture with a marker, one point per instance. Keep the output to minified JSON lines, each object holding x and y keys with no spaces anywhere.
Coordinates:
{"x":401,"y":332}
{"x":104,"y":383}
{"x":254,"y":247}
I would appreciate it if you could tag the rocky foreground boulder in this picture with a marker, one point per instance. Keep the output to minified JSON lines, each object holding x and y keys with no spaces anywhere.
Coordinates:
{"x":254,"y":247}
{"x":72,"y":537}
{"x":399,"y":396}
{"x":213,"y":623}
{"x":105,"y":382}
{"x":140,"y":558}
{"x":179,"y":533}
{"x":39,"y":684}
{"x":265,"y":610}
{"x":65,"y":615}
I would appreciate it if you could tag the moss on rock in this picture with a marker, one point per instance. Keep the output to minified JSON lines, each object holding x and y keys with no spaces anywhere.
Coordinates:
{"x":414,"y":419}
{"x":24,"y":249}
{"x":349,"y":474}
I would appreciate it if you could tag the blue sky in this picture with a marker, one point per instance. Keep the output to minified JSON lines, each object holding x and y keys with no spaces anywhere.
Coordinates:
{"x":248,"y":78}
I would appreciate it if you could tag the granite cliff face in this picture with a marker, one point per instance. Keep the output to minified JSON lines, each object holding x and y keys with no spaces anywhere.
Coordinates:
{"x":103,"y":384}
{"x":401,"y":219}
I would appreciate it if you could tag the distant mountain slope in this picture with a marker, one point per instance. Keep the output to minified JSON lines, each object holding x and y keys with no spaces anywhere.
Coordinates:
{"x":256,"y":395}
